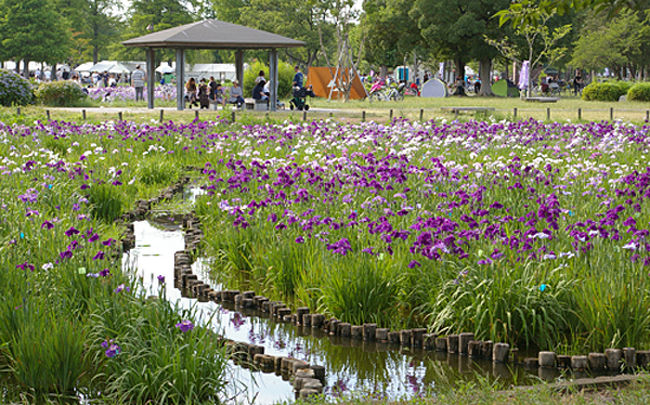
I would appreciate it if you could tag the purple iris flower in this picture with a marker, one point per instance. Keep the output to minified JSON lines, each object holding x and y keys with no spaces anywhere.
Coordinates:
{"x":413,"y":264}
{"x":185,"y":326}
{"x":121,"y":287}
{"x":71,"y":231}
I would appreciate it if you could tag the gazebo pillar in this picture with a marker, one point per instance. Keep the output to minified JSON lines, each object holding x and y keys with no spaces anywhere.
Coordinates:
{"x":151,"y":76}
{"x":273,"y":76}
{"x":239,"y":66}
{"x":180,"y":78}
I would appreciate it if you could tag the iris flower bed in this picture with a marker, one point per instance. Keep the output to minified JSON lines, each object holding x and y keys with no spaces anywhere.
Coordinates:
{"x":530,"y":233}
{"x":533,"y":234}
{"x":127,"y":93}
{"x":72,"y":321}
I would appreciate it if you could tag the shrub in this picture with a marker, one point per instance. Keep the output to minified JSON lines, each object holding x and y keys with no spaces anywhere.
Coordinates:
{"x":639,"y":92}
{"x":605,"y":91}
{"x":14,"y":90}
{"x":63,"y":93}
{"x":285,"y":77}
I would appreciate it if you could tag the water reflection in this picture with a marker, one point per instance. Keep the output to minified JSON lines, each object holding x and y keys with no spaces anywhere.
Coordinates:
{"x":377,"y":369}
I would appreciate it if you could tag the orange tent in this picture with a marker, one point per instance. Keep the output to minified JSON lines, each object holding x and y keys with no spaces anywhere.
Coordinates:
{"x":321,"y":77}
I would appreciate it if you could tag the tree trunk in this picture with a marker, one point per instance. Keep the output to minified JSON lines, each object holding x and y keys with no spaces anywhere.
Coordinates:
{"x":460,"y":68}
{"x":26,"y":69}
{"x":17,"y":68}
{"x":383,"y":71}
{"x":485,"y":66}
{"x":96,"y":54}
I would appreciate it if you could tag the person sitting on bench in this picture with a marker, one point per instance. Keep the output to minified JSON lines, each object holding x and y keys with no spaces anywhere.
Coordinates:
{"x":217,"y":96}
{"x":236,"y":94}
{"x":258,"y":91}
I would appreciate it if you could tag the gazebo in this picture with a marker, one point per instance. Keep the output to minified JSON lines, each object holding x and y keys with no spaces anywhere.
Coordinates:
{"x":211,"y":34}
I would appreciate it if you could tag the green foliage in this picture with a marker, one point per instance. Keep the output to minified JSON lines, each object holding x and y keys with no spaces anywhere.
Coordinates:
{"x":307,"y":20}
{"x":505,"y":304}
{"x":285,"y":78}
{"x":157,"y":172}
{"x":32,"y":30}
{"x":106,"y":204}
{"x":48,"y":356}
{"x":93,"y":25}
{"x":388,"y":38}
{"x":360,"y":291}
{"x":157,"y":362}
{"x":14,"y":90}
{"x":605,"y":91}
{"x":639,"y":92}
{"x":455,"y":29}
{"x":613,"y":42}
{"x":161,"y":14}
{"x":62,"y":93}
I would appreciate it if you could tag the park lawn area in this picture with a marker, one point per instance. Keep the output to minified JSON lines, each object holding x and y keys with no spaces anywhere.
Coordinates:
{"x":353,"y":111}
{"x":564,"y":109}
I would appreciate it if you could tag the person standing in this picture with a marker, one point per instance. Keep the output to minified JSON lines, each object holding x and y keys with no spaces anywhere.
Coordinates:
{"x":137,"y":81}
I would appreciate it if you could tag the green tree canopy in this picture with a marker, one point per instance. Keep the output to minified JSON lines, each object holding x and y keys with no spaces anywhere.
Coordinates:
{"x":305,"y":20}
{"x":622,"y":41}
{"x":159,"y":14}
{"x":32,"y":30}
{"x":389,"y":30}
{"x":456,"y":30}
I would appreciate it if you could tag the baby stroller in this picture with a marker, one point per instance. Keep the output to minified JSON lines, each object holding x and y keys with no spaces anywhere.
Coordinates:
{"x":299,"y":98}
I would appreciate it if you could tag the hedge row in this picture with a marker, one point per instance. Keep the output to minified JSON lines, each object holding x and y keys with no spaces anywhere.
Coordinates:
{"x":613,"y":90}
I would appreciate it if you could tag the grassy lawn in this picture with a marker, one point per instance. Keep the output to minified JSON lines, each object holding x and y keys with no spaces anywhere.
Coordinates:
{"x":565,"y":109}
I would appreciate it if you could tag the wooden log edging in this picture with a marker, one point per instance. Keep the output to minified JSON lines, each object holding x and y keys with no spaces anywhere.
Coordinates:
{"x":464,"y":344}
{"x":307,"y":379}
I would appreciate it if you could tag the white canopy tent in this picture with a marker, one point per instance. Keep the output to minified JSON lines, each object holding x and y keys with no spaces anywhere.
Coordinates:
{"x":84,"y":67}
{"x":118,"y":68}
{"x":220,"y":71}
{"x":434,"y":88}
{"x":165,"y":68}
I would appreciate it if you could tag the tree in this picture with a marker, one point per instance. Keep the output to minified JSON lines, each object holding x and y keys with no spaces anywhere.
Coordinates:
{"x":159,"y":14}
{"x":31,"y":30}
{"x":388,"y":31}
{"x":302,"y":20}
{"x":92,"y":25}
{"x":456,"y":29}
{"x":541,"y":41}
{"x":615,"y":43}
{"x":561,"y":7}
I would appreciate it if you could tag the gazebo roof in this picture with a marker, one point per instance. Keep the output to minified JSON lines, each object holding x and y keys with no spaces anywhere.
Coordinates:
{"x":213,"y":34}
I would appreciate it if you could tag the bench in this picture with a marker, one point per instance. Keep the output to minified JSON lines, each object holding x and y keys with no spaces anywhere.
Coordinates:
{"x":457,"y":110}
{"x":256,"y":105}
{"x":542,"y":99}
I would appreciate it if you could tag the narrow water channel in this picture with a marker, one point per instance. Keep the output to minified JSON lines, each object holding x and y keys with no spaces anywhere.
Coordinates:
{"x":374,"y":369}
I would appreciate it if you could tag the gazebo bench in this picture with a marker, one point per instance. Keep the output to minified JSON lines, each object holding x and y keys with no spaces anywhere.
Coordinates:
{"x":256,"y":105}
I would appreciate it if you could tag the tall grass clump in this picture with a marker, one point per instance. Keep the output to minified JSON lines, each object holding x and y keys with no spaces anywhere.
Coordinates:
{"x":157,"y":361}
{"x":158,"y":172}
{"x":358,"y":292}
{"x":505,"y":303}
{"x":106,"y":204}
